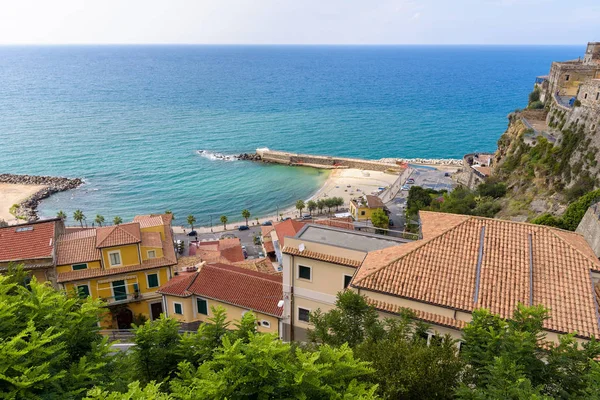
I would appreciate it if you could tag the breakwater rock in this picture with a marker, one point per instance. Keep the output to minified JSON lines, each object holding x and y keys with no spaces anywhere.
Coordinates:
{"x":27,"y":209}
{"x":249,"y":157}
{"x":429,"y":161}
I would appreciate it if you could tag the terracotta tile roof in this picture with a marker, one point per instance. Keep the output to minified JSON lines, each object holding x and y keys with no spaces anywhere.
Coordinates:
{"x":148,"y":221}
{"x":343,"y":222}
{"x":435,"y":223}
{"x":28,"y":241}
{"x":118,"y":235}
{"x":178,"y":286}
{"x":229,"y":249}
{"x":420,"y":315}
{"x":77,"y":247}
{"x":234,"y":285}
{"x":321,"y":257}
{"x":269,"y":247}
{"x":263,"y":265}
{"x":443,"y":270}
{"x":287,"y":228}
{"x":99,"y":272}
{"x":151,"y":239}
{"x":374,"y":201}
{"x":266,"y":230}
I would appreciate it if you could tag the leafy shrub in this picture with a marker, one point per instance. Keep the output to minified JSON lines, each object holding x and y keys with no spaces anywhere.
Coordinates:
{"x":534,"y":96}
{"x":492,"y":189}
{"x":536,"y":105}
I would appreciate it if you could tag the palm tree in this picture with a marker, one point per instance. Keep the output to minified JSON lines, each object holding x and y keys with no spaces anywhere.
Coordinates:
{"x":321,"y":205}
{"x":312,"y":206}
{"x":99,"y":219}
{"x":300,"y":206}
{"x":79,"y":217}
{"x":61,"y":214}
{"x":117,"y":220}
{"x":339,"y":201}
{"x":191,"y":220}
{"x":224,"y":222}
{"x":170,"y":212}
{"x":246,"y":215}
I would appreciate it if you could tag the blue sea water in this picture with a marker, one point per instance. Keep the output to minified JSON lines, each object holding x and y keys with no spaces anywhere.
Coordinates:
{"x":129,"y":119}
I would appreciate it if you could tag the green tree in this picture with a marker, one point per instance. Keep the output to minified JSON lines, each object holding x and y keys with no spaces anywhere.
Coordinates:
{"x":61,"y":214}
{"x":79,"y":217}
{"x":380,"y":219}
{"x":152,"y":391}
{"x":338,"y":202}
{"x":576,"y":210}
{"x":353,"y":321}
{"x":262,"y":367}
{"x":329,"y":202}
{"x":49,"y":341}
{"x":492,"y":189}
{"x":198,"y":347}
{"x":155,"y":352}
{"x":312,"y":206}
{"x":224,"y":221}
{"x":321,"y":205}
{"x":117,"y":220}
{"x":191,"y":220}
{"x":534,"y":95}
{"x":246,"y":214}
{"x":300,"y":206}
{"x":99,"y":219}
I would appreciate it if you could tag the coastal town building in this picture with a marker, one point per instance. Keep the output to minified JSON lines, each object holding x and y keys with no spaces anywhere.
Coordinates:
{"x":318,"y":262}
{"x":191,"y":296}
{"x":465,"y":262}
{"x":282,"y":230}
{"x":222,"y":250}
{"x":122,"y":264}
{"x":476,"y":168}
{"x":363,"y":207}
{"x":34,"y":246}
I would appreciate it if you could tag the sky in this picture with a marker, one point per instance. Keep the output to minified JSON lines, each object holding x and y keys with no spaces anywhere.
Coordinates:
{"x":299,"y":21}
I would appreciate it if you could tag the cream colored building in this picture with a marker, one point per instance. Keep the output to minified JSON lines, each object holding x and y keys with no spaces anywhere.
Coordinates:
{"x":318,"y":262}
{"x":462,"y":263}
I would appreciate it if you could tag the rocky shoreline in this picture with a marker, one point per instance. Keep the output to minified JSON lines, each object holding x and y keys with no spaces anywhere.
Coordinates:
{"x":27,"y":209}
{"x":249,"y":157}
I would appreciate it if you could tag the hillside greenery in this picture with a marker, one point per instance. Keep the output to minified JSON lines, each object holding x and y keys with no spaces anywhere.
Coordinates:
{"x":51,"y":348}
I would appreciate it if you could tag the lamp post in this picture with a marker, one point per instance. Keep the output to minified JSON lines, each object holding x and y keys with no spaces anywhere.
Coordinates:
{"x":211,"y":223}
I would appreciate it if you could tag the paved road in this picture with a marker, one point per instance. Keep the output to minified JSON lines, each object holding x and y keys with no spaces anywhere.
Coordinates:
{"x":424,"y":177}
{"x":246,"y":238}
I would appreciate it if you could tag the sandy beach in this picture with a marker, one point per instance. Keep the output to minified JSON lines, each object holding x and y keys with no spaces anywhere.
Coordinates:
{"x":346,"y":183}
{"x":13,"y":194}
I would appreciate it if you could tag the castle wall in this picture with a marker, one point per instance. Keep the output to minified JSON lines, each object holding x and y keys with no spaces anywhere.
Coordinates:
{"x":565,"y":77}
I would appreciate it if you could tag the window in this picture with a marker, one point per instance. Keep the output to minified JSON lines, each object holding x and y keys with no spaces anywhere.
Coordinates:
{"x":83,"y":290}
{"x":585,"y":96}
{"x":265,"y":323}
{"x":119,"y":290}
{"x":136,"y":288}
{"x":566,"y":77}
{"x":77,"y":267}
{"x":152,"y":280}
{"x":178,"y":307}
{"x":114,"y":258}
{"x":151,"y":253}
{"x":303,"y":314}
{"x":362,"y":213}
{"x":347,"y":279}
{"x":597,"y":95}
{"x":304,"y":272}
{"x":202,"y":306}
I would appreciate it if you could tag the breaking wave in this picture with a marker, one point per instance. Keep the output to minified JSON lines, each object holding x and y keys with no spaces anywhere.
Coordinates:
{"x":216,"y":156}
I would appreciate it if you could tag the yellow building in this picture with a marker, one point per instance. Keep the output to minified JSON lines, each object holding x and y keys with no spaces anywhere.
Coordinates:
{"x":122,"y":264}
{"x":362,"y":208}
{"x":190,"y":296}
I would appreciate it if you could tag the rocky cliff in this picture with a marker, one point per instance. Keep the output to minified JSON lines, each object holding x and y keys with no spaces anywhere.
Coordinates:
{"x":548,"y":158}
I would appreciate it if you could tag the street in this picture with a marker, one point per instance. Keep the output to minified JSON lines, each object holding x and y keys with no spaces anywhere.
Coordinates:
{"x":426,"y":177}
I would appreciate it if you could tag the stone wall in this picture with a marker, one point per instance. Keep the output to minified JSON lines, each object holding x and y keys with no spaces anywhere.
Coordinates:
{"x":281,"y":157}
{"x":589,"y":227}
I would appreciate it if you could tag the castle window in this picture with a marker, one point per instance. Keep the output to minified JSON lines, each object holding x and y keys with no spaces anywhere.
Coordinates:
{"x":597,"y":95}
{"x":585,"y":96}
{"x":567,"y":77}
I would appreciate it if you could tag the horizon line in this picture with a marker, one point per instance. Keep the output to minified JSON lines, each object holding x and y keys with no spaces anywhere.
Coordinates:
{"x":292,"y":44}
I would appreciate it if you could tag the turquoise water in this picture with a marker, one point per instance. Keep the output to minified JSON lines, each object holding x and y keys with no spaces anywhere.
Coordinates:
{"x":129,"y":119}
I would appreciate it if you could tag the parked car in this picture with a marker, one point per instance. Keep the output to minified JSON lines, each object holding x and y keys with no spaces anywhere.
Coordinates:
{"x":261,"y":254}
{"x":410,"y":181}
{"x":193,"y":233}
{"x":306,"y":216}
{"x":286,"y":218}
{"x":243,"y":228}
{"x":447,"y":174}
{"x":405,"y":187}
{"x":267,"y":223}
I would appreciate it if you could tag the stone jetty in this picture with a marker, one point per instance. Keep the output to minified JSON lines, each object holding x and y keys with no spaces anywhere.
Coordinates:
{"x":249,"y":157}
{"x":28,"y":208}
{"x":428,"y":161}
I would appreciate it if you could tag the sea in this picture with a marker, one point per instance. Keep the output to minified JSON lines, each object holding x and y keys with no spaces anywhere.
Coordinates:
{"x":144,"y":125}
